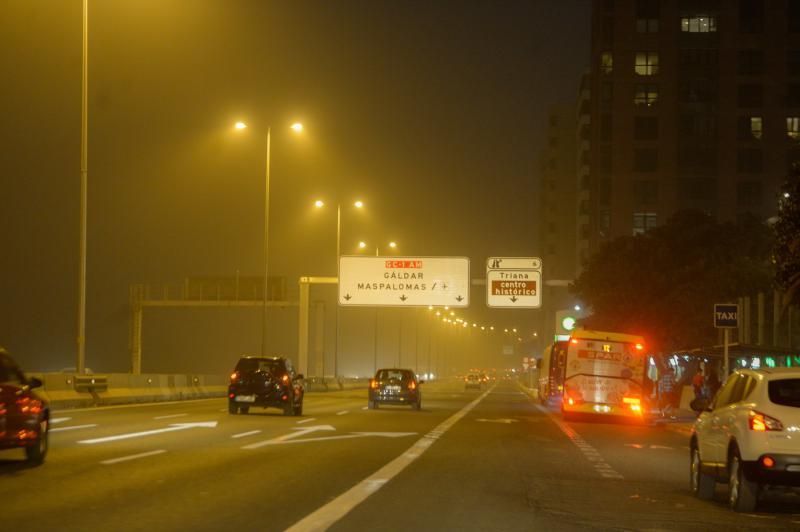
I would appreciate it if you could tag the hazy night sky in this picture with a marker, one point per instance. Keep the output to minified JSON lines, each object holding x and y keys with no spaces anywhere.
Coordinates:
{"x":432,"y":112}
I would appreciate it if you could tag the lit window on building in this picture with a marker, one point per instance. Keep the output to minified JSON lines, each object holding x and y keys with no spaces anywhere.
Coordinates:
{"x":793,"y":127}
{"x":646,"y":63}
{"x":698,"y":24}
{"x":646,"y":95}
{"x":643,"y":222}
{"x":606,"y":62}
{"x":750,"y":127}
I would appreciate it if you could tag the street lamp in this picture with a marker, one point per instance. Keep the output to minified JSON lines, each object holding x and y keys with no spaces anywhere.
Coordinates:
{"x":358,"y":204}
{"x":297,"y":128}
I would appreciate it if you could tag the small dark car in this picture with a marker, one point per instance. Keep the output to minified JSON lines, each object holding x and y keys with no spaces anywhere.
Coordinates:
{"x":24,"y":416}
{"x":473,"y":380}
{"x":268,"y":382}
{"x":395,"y":387}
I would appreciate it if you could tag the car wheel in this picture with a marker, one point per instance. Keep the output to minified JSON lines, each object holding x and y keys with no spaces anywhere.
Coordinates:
{"x":702,"y":484}
{"x":298,"y":409}
{"x":371,"y":405}
{"x":288,"y":408}
{"x":36,"y":452}
{"x":742,"y":493}
{"x":418,"y":405}
{"x":244,"y":409}
{"x":232,"y":408}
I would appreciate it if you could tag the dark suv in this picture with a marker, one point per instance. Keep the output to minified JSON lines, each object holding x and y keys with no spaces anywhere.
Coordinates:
{"x":24,"y":416}
{"x":396,"y":387}
{"x":265,"y":382}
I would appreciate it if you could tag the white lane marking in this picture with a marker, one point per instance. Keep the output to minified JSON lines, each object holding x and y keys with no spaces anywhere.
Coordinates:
{"x":171,"y":428}
{"x":299,"y":431}
{"x":343,"y":412}
{"x":309,"y":420}
{"x":350,"y":436}
{"x":223,"y":409}
{"x":132,"y":457}
{"x":364,"y":408}
{"x":243,"y":434}
{"x":506,"y":421}
{"x":73,"y":427}
{"x":170,"y":416}
{"x":325,"y":516}
{"x":589,"y":452}
{"x":55,"y":420}
{"x":142,"y":405}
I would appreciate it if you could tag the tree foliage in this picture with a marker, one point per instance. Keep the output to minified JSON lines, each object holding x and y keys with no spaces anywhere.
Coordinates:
{"x":786,"y":252}
{"x":663,"y":284}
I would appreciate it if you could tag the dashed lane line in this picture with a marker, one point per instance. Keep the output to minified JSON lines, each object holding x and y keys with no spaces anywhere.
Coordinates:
{"x":170,"y":416}
{"x":591,"y":454}
{"x":309,"y":420}
{"x":55,"y":420}
{"x":243,"y":434}
{"x":73,"y":427}
{"x":343,"y":412}
{"x":132,"y":457}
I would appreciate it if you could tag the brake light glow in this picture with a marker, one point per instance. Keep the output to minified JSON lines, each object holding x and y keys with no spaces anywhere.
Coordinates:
{"x":768,"y":461}
{"x":26,"y":405}
{"x":570,"y":401}
{"x":234,"y":375}
{"x":3,"y":410}
{"x":573,"y":341}
{"x":231,"y":395}
{"x":761,"y":422}
{"x":373,"y":384}
{"x":412,"y":385}
{"x":639,"y":347}
{"x":285,"y":379}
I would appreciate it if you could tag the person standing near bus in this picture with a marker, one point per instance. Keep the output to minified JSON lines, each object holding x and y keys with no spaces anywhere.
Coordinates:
{"x":666,"y":389}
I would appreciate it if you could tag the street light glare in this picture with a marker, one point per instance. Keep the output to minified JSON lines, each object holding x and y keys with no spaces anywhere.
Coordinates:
{"x":319,"y":203}
{"x":240,"y":125}
{"x":392,"y":245}
{"x":297,"y":127}
{"x":362,"y":244}
{"x":358,"y":204}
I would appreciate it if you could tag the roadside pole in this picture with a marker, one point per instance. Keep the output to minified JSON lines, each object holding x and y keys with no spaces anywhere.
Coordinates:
{"x":726,"y":317}
{"x":726,"y":361}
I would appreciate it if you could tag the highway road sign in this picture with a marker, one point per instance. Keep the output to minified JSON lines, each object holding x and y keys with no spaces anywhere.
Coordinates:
{"x":404,"y":281}
{"x":514,"y":282}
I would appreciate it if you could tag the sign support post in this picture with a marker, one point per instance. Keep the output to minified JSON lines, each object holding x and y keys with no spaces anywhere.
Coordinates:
{"x":726,"y":317}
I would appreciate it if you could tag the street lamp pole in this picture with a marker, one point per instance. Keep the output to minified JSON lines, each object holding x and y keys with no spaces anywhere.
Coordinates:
{"x":264,"y":322}
{"x":80,"y":363}
{"x":338,"y":274}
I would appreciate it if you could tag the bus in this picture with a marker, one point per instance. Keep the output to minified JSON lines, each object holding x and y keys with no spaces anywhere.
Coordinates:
{"x":604,"y":375}
{"x":551,"y":372}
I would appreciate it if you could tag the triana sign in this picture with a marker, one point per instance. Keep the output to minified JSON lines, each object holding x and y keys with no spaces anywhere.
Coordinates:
{"x":514,"y":282}
{"x":404,"y":281}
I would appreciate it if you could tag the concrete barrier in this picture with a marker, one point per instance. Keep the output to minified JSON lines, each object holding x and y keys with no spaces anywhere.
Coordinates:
{"x":68,"y":390}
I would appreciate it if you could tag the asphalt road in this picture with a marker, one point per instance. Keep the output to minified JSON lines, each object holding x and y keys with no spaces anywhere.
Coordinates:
{"x":476,"y":460}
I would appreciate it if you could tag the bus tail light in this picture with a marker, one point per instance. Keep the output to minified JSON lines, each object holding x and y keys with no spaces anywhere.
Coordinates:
{"x":634,"y":403}
{"x":761,"y":422}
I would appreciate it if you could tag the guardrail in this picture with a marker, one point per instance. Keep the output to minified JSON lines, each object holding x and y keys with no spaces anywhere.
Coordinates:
{"x":90,"y":383}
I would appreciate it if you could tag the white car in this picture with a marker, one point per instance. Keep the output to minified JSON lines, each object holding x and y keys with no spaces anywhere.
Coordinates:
{"x":748,"y":436}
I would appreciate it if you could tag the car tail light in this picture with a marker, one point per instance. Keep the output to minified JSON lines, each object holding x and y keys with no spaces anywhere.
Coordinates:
{"x":373,"y":384}
{"x":231,"y":395}
{"x":761,"y":422}
{"x":3,"y":410}
{"x":27,"y":405}
{"x":412,"y":385}
{"x":234,"y":376}
{"x":285,"y":379}
{"x":768,"y":462}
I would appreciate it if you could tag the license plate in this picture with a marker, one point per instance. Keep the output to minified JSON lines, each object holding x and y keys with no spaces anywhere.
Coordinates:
{"x":245,"y":398}
{"x":393,"y":389}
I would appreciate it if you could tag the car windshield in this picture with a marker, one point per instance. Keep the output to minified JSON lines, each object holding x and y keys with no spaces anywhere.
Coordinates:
{"x":394,"y":374}
{"x":9,"y":374}
{"x":258,"y":364}
{"x":785,"y":392}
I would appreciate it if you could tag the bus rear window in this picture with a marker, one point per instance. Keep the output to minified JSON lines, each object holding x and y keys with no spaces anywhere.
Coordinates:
{"x":785,"y":392}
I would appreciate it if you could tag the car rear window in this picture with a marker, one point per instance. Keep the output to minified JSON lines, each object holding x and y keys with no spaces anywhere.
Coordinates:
{"x":256,"y":364}
{"x":388,"y":374}
{"x":785,"y":392}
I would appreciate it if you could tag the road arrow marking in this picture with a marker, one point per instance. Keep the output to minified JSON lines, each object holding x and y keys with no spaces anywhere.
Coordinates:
{"x":132,"y":457}
{"x":385,"y":434}
{"x":298,"y":431}
{"x":503,"y":420}
{"x":171,"y":428}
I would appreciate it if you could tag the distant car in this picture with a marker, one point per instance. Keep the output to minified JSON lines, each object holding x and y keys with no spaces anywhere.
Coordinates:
{"x":24,"y":415}
{"x":473,"y":381}
{"x":395,"y":386}
{"x":747,"y":436}
{"x":268,"y":382}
